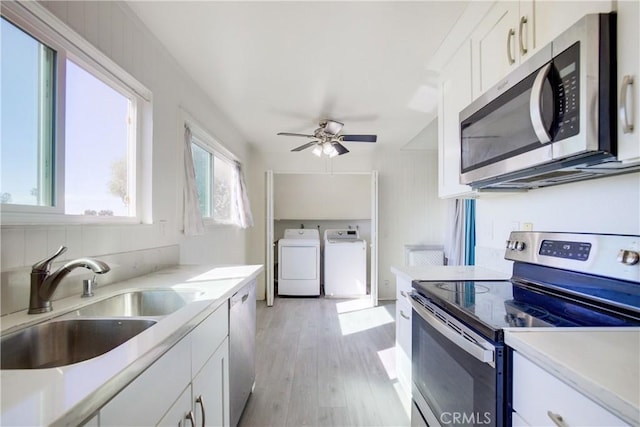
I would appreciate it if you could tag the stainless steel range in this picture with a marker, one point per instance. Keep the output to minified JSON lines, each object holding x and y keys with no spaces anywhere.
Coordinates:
{"x":460,"y":372}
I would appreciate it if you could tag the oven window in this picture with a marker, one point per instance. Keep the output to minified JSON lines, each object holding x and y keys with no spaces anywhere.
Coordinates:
{"x":459,"y":389}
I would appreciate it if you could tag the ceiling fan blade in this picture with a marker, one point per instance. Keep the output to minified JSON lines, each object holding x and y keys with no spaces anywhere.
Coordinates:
{"x":295,"y":134}
{"x":359,"y":138}
{"x":341,"y":149}
{"x":332,"y":127}
{"x":304,"y":146}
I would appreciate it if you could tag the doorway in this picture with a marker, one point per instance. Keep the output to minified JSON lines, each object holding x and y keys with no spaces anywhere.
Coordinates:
{"x":333,"y":197}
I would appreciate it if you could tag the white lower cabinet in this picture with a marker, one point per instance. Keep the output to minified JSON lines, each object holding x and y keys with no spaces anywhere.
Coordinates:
{"x":179,"y":413}
{"x":211,"y":389}
{"x":403,"y":333}
{"x":188,"y":386}
{"x":145,"y":401}
{"x":541,"y":399}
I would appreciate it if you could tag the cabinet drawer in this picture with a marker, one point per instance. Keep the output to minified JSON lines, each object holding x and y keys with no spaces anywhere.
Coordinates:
{"x":403,"y":287}
{"x":536,"y":393}
{"x":208,"y":336}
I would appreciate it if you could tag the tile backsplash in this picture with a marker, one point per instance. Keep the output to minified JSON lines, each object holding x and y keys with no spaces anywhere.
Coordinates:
{"x":20,"y":251}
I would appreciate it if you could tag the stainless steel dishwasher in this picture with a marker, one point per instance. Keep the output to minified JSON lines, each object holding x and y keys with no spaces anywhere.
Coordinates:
{"x":242,"y":349}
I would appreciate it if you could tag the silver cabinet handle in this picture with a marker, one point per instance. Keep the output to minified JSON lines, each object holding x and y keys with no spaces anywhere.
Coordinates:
{"x":403,"y":293}
{"x":557,"y":419}
{"x":627,"y":81}
{"x":191,"y":418}
{"x":244,"y":297}
{"x":510,"y":36}
{"x":201,"y":402}
{"x":523,"y":47}
{"x":404,"y":315}
{"x":535,"y":105}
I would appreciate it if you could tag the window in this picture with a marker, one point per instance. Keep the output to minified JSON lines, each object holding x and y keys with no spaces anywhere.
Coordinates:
{"x":70,"y":140}
{"x":214,"y":180}
{"x":27,"y":126}
{"x":98,"y":150}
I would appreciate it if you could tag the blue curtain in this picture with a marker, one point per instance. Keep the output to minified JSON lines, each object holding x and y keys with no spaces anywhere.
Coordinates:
{"x":470,"y":232}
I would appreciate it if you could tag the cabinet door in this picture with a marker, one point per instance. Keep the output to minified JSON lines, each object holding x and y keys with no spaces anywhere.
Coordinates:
{"x":211,"y":389}
{"x":629,"y":65}
{"x":145,"y":401}
{"x":538,"y":397}
{"x":455,"y":94}
{"x":495,"y":45}
{"x":403,"y":343}
{"x":554,"y":17}
{"x":503,"y":39}
{"x":178,"y":414}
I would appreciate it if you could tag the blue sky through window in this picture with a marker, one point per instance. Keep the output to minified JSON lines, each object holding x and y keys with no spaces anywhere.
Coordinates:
{"x":20,"y":84}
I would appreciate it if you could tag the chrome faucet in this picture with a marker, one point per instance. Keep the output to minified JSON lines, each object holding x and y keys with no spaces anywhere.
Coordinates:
{"x":43,"y":284}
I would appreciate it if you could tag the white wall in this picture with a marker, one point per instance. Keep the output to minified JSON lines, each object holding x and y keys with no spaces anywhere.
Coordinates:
{"x":606,"y":205}
{"x":114,"y":29}
{"x":409,"y":209}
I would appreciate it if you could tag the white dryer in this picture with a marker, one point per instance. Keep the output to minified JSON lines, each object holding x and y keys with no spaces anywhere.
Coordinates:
{"x":299,"y":263}
{"x":345,"y":263}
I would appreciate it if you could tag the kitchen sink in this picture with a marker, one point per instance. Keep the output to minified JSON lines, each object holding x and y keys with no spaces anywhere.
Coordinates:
{"x":156,"y":302}
{"x":60,"y":343}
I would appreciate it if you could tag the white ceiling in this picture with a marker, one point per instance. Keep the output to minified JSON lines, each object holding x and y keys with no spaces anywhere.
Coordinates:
{"x":283,"y":66}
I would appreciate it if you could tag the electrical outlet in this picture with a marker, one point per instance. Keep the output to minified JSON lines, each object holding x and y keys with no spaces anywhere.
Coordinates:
{"x":527,"y":226}
{"x":386,"y":283}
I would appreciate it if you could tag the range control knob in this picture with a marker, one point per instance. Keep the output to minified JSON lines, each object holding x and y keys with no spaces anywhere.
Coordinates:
{"x":628,"y":257}
{"x":520,"y":246}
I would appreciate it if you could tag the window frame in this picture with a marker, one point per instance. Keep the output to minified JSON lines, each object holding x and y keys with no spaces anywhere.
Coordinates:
{"x":42,"y":25}
{"x":203,"y":139}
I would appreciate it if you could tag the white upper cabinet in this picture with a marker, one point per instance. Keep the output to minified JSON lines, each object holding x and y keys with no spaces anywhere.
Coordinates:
{"x":455,"y":94}
{"x":628,"y":80}
{"x":503,"y":39}
{"x":553,"y":17}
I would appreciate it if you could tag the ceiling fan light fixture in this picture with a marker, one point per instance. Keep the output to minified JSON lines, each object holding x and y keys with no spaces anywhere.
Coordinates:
{"x":327,"y":148}
{"x":317,"y":150}
{"x":333,"y":153}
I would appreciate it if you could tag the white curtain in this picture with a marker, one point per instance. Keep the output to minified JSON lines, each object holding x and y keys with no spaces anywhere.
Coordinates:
{"x":243,"y":207}
{"x":454,"y":244}
{"x":193,"y":224}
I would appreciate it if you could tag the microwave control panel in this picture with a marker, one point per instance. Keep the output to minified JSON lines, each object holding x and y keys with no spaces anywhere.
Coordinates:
{"x":567,"y":90}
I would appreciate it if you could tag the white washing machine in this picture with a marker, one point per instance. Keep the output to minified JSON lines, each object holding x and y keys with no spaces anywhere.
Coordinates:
{"x":299,"y":263}
{"x":345,"y":263}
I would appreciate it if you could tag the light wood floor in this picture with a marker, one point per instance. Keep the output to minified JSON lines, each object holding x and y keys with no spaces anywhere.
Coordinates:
{"x":318,"y":367}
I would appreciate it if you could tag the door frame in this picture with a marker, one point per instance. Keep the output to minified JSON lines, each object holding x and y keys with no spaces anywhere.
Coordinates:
{"x":270,"y":243}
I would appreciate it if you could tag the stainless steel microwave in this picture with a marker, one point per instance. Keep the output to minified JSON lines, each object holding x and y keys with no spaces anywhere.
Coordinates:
{"x":552,"y":120}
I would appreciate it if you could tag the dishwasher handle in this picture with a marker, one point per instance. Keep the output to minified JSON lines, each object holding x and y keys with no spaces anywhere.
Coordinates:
{"x":239,"y":297}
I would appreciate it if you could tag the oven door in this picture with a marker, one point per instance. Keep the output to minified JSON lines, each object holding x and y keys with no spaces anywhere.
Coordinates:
{"x":457,"y":374}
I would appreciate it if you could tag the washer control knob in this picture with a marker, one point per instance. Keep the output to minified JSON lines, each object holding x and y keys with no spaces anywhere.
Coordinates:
{"x":628,"y":257}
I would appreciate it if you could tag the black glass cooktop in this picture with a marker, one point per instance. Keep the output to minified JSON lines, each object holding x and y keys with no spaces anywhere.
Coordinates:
{"x":490,"y":306}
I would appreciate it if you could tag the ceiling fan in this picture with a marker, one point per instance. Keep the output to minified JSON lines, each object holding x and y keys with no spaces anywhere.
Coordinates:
{"x":328,"y":139}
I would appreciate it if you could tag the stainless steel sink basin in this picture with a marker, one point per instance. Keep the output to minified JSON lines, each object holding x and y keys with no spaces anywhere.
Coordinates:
{"x":157,"y":302}
{"x":60,"y":343}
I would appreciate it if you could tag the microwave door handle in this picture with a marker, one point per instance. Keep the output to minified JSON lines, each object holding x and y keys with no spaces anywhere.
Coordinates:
{"x":482,"y":354}
{"x":535,"y":105}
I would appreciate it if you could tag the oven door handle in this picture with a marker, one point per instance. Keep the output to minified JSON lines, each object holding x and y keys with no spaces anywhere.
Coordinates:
{"x":482,"y":354}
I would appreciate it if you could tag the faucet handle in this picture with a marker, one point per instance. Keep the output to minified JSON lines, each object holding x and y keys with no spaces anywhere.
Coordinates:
{"x":45,"y":264}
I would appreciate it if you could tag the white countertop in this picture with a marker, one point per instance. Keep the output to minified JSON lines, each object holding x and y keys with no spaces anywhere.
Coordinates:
{"x":70,"y":394}
{"x":438,"y":273}
{"x":601,"y":363}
